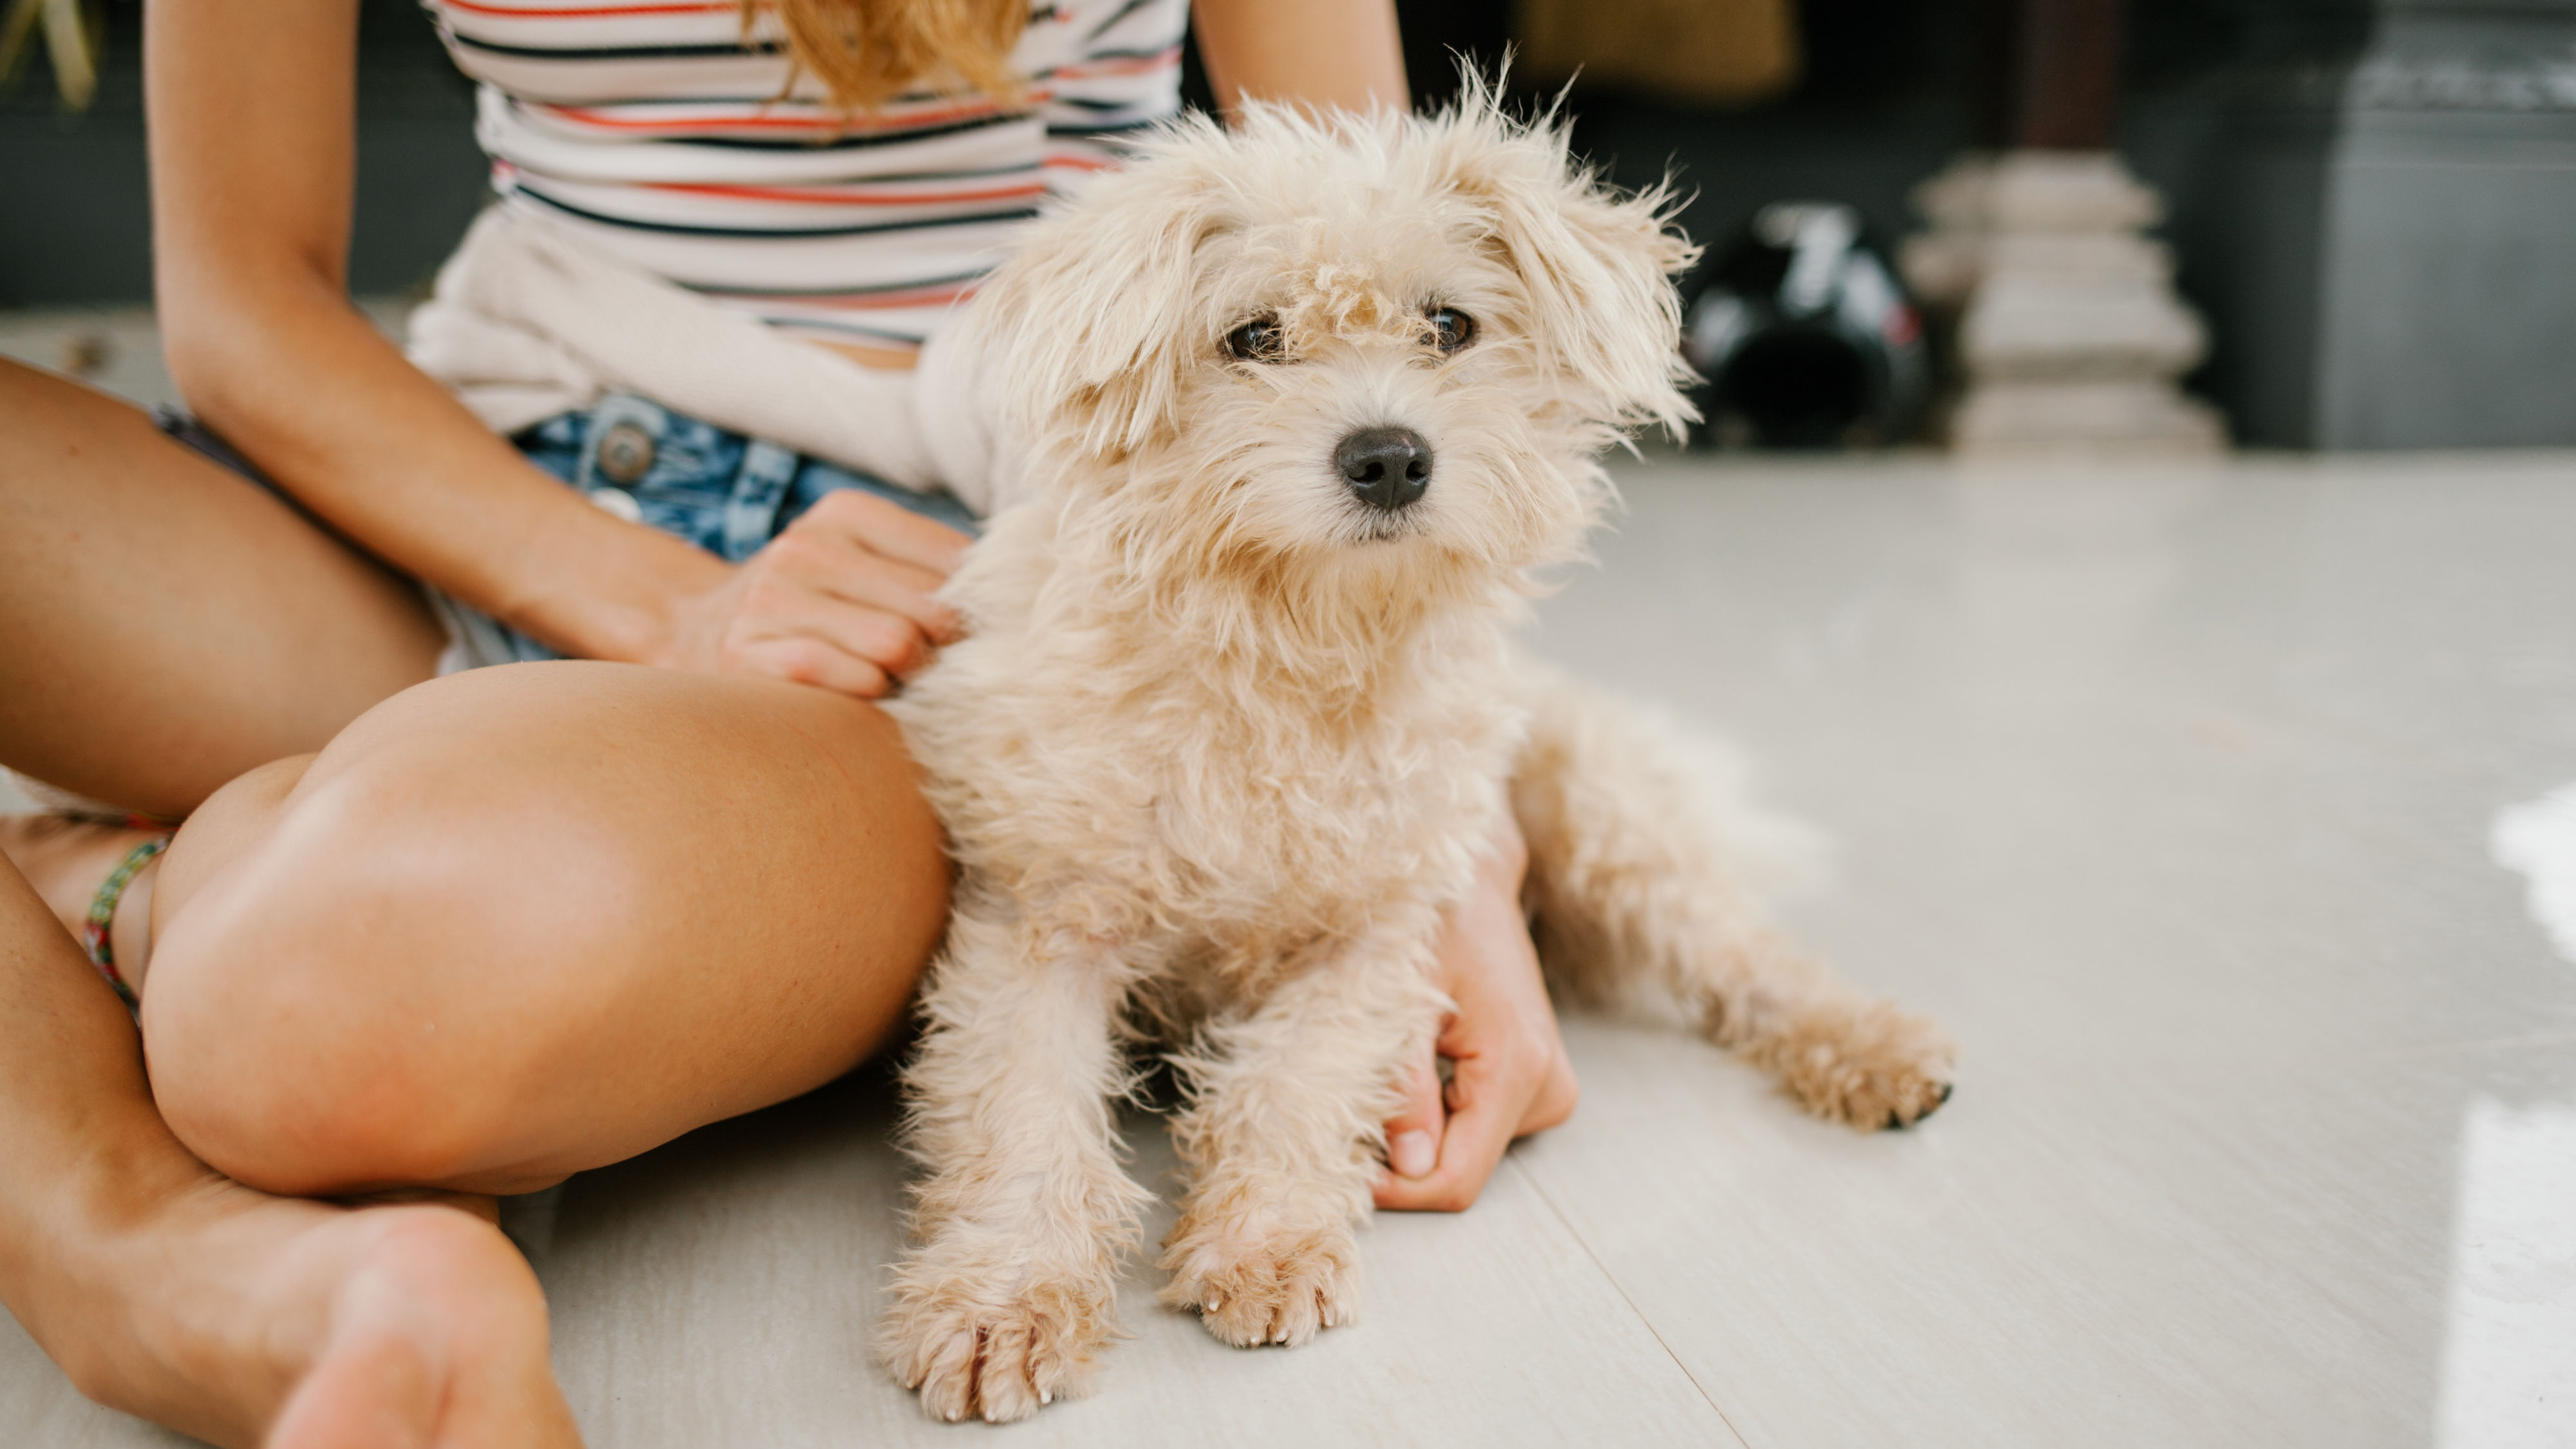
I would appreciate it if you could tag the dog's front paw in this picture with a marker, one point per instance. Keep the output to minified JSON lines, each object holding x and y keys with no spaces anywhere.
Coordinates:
{"x":1255,"y":1285}
{"x":1876,"y":1068}
{"x":998,"y":1357}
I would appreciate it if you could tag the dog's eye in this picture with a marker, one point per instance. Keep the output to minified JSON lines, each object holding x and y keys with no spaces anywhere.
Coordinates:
{"x":1259,"y":340}
{"x":1451,"y":329}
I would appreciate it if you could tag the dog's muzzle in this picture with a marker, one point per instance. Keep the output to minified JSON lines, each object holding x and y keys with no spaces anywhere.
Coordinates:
{"x":1387,"y":467}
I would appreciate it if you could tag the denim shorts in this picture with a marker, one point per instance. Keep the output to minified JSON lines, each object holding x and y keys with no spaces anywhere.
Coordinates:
{"x":726,"y":493}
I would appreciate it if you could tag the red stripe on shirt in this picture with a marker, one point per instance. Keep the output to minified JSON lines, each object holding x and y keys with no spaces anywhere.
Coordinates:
{"x":1120,"y":65}
{"x":585,"y":12}
{"x":842,"y":302}
{"x":824,"y":195}
{"x":834,"y":122}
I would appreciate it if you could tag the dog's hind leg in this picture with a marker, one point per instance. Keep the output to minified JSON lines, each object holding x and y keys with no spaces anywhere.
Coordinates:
{"x":1641,"y":851}
{"x":1014,"y":1283}
{"x":1282,"y":1137}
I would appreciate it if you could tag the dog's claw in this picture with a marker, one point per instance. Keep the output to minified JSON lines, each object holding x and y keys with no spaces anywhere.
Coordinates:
{"x":1280,"y":1285}
{"x":1897,"y":1121}
{"x":967,"y":1358}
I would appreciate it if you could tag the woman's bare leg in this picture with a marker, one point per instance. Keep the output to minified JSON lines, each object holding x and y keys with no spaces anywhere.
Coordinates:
{"x":175,"y":1293}
{"x":529,"y":920}
{"x":509,"y":925}
{"x":166,"y":1291}
{"x":164,"y":626}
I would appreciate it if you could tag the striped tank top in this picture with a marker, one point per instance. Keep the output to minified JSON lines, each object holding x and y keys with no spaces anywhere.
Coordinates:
{"x":662,"y":134}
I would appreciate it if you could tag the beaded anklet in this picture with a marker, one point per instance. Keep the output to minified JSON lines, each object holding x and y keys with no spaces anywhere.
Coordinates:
{"x":102,"y":913}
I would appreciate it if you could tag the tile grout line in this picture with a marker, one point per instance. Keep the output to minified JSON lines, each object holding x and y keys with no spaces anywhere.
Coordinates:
{"x":1622,"y":1289}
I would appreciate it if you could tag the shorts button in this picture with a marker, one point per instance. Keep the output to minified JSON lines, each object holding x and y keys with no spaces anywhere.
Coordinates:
{"x":625,"y":454}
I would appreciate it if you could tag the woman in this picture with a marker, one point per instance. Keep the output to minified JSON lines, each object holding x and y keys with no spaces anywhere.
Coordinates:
{"x":425,"y":941}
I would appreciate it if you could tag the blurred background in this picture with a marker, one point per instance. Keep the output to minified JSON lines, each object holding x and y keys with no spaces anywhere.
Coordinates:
{"x":2277,"y":223}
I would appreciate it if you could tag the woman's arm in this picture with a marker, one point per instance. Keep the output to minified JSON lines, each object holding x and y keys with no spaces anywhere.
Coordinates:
{"x":253,"y":158}
{"x":252,"y":108}
{"x":1320,"y":53}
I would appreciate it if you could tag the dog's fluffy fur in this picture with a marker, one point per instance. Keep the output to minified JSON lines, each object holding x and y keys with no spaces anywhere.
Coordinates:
{"x":1224,"y":742}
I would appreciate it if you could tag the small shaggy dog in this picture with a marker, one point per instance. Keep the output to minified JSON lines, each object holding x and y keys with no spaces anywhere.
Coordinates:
{"x":1299,"y":409}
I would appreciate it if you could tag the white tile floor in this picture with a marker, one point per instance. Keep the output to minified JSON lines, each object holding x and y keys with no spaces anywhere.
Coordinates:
{"x":2169,"y":790}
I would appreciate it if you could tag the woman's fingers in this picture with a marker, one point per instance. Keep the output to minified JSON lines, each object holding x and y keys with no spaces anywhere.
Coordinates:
{"x":813,"y":638}
{"x":884,"y":527}
{"x":839,"y":565}
{"x":797,"y":596}
{"x":811,"y":661}
{"x":902,"y":589}
{"x":844,"y":599}
{"x":1413,"y":1133}
{"x":1484,"y":1117}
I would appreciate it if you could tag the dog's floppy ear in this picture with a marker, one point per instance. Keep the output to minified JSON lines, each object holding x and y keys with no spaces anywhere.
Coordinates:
{"x":1098,"y":310}
{"x":1596,"y":267}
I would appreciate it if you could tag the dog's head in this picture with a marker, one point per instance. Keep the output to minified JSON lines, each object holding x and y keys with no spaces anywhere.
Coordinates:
{"x":1365,"y":349}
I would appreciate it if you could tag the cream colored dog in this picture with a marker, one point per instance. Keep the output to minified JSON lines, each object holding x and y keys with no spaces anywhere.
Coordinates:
{"x":1300,"y":408}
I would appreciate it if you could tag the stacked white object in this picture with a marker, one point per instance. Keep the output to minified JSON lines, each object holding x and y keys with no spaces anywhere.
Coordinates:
{"x":2070,"y":334}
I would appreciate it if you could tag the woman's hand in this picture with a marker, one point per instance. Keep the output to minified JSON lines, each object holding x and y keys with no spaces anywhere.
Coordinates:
{"x":842,"y":599}
{"x":1509,"y":1073}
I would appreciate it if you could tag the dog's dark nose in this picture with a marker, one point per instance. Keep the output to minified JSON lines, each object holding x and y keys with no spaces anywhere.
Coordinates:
{"x":1387,"y":467}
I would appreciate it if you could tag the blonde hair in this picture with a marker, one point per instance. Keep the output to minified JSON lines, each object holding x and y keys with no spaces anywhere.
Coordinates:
{"x":867,"y":51}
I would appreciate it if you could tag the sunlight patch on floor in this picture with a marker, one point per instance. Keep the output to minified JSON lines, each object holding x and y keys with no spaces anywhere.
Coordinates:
{"x":2539,"y":840}
{"x":2509,"y":1360}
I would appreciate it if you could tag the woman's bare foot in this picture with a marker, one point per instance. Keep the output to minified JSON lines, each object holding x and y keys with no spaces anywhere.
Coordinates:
{"x":246,"y":1319}
{"x":171,"y":1292}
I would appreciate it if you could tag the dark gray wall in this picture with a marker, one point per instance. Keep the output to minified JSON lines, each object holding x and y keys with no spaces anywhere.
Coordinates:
{"x":75,"y":212}
{"x":2449,"y":276}
{"x":2381,"y":222}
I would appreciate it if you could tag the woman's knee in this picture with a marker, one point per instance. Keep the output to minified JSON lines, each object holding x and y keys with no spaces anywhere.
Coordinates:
{"x":308,"y":1016}
{"x":534,"y":920}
